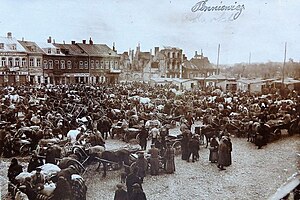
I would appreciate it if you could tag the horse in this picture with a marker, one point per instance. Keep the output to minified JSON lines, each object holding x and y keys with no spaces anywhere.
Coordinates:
{"x":209,"y":131}
{"x":120,"y":157}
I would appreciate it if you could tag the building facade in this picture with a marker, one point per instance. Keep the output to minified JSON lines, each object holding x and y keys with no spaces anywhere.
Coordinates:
{"x":14,"y":61}
{"x":35,"y":62}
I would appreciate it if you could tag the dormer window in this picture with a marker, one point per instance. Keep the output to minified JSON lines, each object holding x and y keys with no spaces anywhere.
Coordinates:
{"x":1,"y":45}
{"x":49,"y":50}
{"x":57,"y":51}
{"x":14,"y":47}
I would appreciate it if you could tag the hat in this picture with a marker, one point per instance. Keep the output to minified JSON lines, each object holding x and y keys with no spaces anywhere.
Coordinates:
{"x":38,"y":169}
{"x":136,"y":185}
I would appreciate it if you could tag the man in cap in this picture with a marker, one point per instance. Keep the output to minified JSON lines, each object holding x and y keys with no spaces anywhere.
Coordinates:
{"x":142,"y":164}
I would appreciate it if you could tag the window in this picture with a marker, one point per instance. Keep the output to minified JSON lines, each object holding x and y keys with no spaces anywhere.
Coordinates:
{"x":49,"y":50}
{"x":14,"y":47}
{"x":38,"y":62}
{"x":86,"y":64}
{"x":17,"y":62}
{"x":106,"y":65}
{"x":81,"y":64}
{"x":1,"y":45}
{"x":31,"y":62}
{"x":3,"y":62}
{"x":102,"y":65}
{"x":62,"y":64}
{"x":69,"y":64}
{"x":50,"y":64}
{"x":45,"y":64}
{"x":97,"y":64}
{"x":92,"y":64}
{"x":10,"y":62}
{"x":23,"y":62}
{"x":57,"y":51}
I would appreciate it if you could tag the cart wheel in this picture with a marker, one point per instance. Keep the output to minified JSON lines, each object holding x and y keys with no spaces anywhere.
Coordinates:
{"x":138,"y":138}
{"x":277,"y":132}
{"x":125,"y":138}
{"x":68,"y":147}
{"x":24,"y":150}
{"x":177,"y":146}
{"x":293,"y":129}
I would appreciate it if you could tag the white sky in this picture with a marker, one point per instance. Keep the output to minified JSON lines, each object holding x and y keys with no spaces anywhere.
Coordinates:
{"x":262,"y":28}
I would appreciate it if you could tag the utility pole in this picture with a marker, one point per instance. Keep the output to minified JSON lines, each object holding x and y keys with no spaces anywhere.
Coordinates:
{"x":218,"y":59}
{"x":284,"y":63}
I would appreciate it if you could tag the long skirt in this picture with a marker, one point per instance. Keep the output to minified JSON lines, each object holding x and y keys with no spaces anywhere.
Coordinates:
{"x":213,"y":155}
{"x":170,"y":166}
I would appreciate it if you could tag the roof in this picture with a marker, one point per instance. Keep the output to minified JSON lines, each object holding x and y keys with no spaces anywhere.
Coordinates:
{"x":45,"y":46}
{"x":97,"y":49}
{"x":144,"y":55}
{"x":180,"y":80}
{"x":251,"y":81}
{"x":161,"y":80}
{"x":73,"y":49}
{"x":288,"y":81}
{"x":201,"y":63}
{"x":216,"y":77}
{"x":8,"y":45}
{"x":31,"y":47}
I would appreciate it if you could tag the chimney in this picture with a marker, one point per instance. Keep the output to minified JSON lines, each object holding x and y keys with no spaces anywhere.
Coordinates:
{"x":138,"y":48}
{"x":91,"y":41}
{"x":72,"y":42}
{"x":84,"y":41}
{"x":54,"y":41}
{"x":114,"y":48}
{"x":49,"y":40}
{"x":23,"y":39}
{"x":196,"y":53}
{"x":156,"y":50}
{"x":9,"y":35}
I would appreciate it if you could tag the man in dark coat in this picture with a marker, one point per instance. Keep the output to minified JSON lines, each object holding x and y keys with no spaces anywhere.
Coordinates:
{"x":34,"y":163}
{"x":63,"y":190}
{"x":14,"y":170}
{"x":131,"y":179}
{"x":137,"y":193}
{"x":193,"y":147}
{"x":120,"y":193}
{"x":143,"y":138}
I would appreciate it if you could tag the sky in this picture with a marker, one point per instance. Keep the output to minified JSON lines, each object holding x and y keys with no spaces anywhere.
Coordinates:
{"x":261,"y":29}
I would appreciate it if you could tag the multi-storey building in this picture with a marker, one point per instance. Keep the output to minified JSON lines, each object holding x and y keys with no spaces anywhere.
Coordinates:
{"x":73,"y":65}
{"x":13,"y":61}
{"x":198,"y":66}
{"x":173,"y":59}
{"x":104,"y":62}
{"x":35,"y":62}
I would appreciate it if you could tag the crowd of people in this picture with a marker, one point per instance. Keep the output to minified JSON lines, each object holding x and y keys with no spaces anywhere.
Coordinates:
{"x":53,"y":110}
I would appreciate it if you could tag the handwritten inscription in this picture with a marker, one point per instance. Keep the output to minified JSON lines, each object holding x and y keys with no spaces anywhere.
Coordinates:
{"x":236,"y":8}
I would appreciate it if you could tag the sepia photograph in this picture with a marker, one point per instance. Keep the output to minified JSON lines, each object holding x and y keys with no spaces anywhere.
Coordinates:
{"x":149,"y":100}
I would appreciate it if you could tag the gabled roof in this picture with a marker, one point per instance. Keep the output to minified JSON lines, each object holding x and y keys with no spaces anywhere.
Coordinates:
{"x":8,"y":45}
{"x":31,"y":47}
{"x":70,"y":49}
{"x":97,"y":49}
{"x":201,"y":63}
